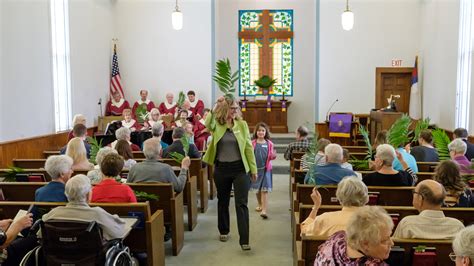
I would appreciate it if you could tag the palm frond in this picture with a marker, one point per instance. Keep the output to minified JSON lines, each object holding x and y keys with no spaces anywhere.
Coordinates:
{"x":265,"y":82}
{"x":310,"y":159}
{"x":144,"y":196}
{"x":181,"y":99}
{"x":10,"y":174}
{"x":399,"y":131}
{"x":224,"y":77}
{"x":360,"y":165}
{"x":95,"y":147}
{"x":177,"y":157}
{"x":441,"y":141}
{"x":421,"y":125}
{"x":365,"y":135}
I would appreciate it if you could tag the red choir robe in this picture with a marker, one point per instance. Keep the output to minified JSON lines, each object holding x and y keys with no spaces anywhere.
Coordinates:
{"x":149,"y":105}
{"x":197,"y":107}
{"x":133,"y":125}
{"x":116,"y":108}
{"x":200,"y":137}
{"x":166,"y":108}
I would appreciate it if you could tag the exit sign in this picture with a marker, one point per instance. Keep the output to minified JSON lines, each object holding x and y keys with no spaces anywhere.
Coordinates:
{"x":396,"y":62}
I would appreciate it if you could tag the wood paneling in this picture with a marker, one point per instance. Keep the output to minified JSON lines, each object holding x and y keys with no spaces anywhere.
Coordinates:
{"x":33,"y":147}
{"x":276,"y":119}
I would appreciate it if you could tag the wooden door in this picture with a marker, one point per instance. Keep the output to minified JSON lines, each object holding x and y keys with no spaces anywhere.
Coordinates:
{"x":396,"y":81}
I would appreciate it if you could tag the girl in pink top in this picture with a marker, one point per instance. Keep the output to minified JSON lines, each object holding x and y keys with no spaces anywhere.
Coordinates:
{"x":264,"y":153}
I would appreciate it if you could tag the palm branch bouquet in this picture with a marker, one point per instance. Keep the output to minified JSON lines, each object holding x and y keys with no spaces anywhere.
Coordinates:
{"x":441,"y":141}
{"x":178,"y":157}
{"x":95,"y":147}
{"x":265,"y":82}
{"x":142,"y":113}
{"x":10,"y":174}
{"x":420,"y":126}
{"x":363,"y":164}
{"x":398,"y":134}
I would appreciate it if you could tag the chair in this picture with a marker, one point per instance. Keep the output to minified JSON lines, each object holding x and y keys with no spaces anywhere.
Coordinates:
{"x":69,"y":242}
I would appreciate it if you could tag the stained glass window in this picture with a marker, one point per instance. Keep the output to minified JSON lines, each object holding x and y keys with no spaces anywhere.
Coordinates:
{"x":266,"y":48}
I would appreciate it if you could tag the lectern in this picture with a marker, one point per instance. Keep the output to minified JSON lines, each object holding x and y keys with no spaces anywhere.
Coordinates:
{"x":381,"y":121}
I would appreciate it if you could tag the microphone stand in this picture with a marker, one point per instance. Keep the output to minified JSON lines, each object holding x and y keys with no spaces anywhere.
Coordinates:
{"x":100,"y":106}
{"x":330,"y":107}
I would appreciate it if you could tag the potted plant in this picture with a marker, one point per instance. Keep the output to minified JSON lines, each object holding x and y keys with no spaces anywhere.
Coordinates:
{"x":265,"y":83}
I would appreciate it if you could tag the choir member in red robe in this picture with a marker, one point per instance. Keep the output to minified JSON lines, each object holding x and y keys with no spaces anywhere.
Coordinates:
{"x":168,"y":107}
{"x":129,"y":122}
{"x":143,"y":101}
{"x":197,"y":106}
{"x":78,"y":119}
{"x":153,"y":118}
{"x":182,"y":118}
{"x":201,"y":133}
{"x":116,"y":105}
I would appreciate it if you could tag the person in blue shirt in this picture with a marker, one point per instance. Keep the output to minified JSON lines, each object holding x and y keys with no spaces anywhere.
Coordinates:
{"x":408,"y":158}
{"x":59,"y":167}
{"x":331,"y":172}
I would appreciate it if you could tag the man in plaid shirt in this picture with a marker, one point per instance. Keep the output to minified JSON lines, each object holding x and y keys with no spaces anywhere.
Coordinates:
{"x":301,"y":144}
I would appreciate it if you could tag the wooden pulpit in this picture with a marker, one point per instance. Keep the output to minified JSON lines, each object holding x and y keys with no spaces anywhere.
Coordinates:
{"x":381,"y":121}
{"x":276,"y":119}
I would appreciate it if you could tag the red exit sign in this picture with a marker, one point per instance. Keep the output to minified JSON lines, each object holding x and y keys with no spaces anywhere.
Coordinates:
{"x":396,"y":62}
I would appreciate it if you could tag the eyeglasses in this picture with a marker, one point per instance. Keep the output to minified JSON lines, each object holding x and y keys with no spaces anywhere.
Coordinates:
{"x":452,"y":256}
{"x":414,"y":192}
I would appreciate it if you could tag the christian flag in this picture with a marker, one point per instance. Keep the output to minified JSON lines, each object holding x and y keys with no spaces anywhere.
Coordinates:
{"x":415,"y":95}
{"x":115,"y":82}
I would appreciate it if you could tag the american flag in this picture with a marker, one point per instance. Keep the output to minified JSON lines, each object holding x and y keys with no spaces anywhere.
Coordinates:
{"x":115,"y":82}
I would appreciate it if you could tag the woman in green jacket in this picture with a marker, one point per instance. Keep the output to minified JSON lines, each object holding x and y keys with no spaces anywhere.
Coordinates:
{"x":230,"y":150}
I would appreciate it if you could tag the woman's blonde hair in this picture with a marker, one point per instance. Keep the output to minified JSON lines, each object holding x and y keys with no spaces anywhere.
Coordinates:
{"x":152,"y":112}
{"x":222,"y":111}
{"x":76,"y":150}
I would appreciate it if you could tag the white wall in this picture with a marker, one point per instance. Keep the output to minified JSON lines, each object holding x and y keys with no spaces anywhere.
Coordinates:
{"x":27,"y":99}
{"x":302,"y":108}
{"x":153,"y":56}
{"x":439,"y":42}
{"x":91,"y":26}
{"x":383,"y":30}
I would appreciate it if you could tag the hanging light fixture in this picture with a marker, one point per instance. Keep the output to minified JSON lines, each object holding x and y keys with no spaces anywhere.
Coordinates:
{"x":347,"y":18}
{"x":177,"y":18}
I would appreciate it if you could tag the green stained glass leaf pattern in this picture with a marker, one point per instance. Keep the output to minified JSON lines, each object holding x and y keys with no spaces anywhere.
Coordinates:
{"x":244,"y":67}
{"x":247,"y":17}
{"x":287,"y":83}
{"x":284,"y":17}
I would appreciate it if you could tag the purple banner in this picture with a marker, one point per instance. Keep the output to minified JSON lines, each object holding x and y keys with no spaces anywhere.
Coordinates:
{"x":340,"y":125}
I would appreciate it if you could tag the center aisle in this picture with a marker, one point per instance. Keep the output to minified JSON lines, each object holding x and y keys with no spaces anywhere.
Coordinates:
{"x":270,"y":239}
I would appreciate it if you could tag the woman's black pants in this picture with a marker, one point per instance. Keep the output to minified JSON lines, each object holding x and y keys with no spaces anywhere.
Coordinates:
{"x":227,"y":174}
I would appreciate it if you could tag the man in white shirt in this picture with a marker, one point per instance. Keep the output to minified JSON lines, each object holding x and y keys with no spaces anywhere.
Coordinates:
{"x":428,"y":197}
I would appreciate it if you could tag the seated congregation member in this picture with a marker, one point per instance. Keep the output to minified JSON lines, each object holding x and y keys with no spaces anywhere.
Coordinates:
{"x":78,"y":192}
{"x":95,"y":175}
{"x":462,"y":247}
{"x":196,"y":105}
{"x":332,"y":172}
{"x":408,"y":158}
{"x":123,"y":133}
{"x":301,"y":144}
{"x":366,"y":240}
{"x":458,"y":194}
{"x":425,"y":152}
{"x":116,"y":105}
{"x":182,"y":118}
{"x":351,"y":193}
{"x":109,"y":190}
{"x":129,"y":122}
{"x":189,"y":132}
{"x":385,"y":175}
{"x":201,"y":133}
{"x":157,"y":132}
{"x":15,"y":248}
{"x":457,"y":150}
{"x":59,"y":167}
{"x":79,"y":131}
{"x":320,"y":158}
{"x":143,"y":101}
{"x":177,"y":145}
{"x":153,"y":118}
{"x":380,"y":138}
{"x":124,"y":150}
{"x":431,"y":223}
{"x":461,"y":133}
{"x":77,"y":151}
{"x":78,"y":119}
{"x":168,"y":106}
{"x":151,"y":170}
{"x":345,"y":159}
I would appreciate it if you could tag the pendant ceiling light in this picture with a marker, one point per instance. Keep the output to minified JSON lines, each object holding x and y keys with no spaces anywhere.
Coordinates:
{"x":347,"y":18}
{"x":177,"y":18}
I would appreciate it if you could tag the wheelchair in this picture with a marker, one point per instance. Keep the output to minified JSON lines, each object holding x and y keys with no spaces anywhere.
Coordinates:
{"x":69,"y":242}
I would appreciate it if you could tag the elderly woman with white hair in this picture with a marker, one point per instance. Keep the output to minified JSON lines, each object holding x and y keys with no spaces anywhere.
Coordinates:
{"x":385,"y":175}
{"x":366,"y":240}
{"x":95,"y":175}
{"x":463,"y":247}
{"x":78,"y":192}
{"x":352,"y":194}
{"x":157,"y":132}
{"x":59,"y":168}
{"x":457,"y":150}
{"x":124,"y":133}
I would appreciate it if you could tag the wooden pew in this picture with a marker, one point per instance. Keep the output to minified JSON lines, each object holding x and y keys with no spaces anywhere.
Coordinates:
{"x":46,"y":154}
{"x":148,"y":239}
{"x":29,"y":163}
{"x":352,"y":149}
{"x":307,"y":248}
{"x":427,"y":166}
{"x":170,"y":202}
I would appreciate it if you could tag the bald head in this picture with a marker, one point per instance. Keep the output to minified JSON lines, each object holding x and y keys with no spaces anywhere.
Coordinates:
{"x":432,"y":192}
